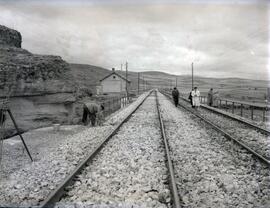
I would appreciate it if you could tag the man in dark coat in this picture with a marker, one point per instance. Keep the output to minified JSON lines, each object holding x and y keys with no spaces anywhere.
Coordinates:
{"x":210,"y":97}
{"x":175,"y":95}
{"x":190,"y":99}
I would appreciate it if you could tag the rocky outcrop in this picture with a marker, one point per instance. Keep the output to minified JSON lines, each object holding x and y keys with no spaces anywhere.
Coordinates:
{"x":40,"y":88}
{"x":10,"y":37}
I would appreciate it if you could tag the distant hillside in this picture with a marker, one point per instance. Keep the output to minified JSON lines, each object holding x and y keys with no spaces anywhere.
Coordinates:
{"x":88,"y":76}
{"x":231,"y":88}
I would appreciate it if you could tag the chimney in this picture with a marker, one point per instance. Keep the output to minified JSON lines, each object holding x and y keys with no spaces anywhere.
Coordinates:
{"x":113,"y":69}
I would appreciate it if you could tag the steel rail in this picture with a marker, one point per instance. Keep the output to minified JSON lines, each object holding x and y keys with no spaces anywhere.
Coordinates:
{"x":262,"y":130}
{"x":227,"y":135}
{"x":174,"y":191}
{"x":59,"y":191}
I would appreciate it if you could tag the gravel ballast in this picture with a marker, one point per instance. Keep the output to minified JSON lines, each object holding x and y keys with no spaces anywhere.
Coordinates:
{"x":254,"y":139}
{"x":248,"y":135}
{"x":130,"y":171}
{"x":34,"y":181}
{"x":210,"y":170}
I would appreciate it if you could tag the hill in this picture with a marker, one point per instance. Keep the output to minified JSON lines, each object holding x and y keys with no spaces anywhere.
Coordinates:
{"x":88,"y":76}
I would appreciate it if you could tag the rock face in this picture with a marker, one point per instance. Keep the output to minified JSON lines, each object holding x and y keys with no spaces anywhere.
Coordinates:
{"x":10,"y":37}
{"x":40,"y":88}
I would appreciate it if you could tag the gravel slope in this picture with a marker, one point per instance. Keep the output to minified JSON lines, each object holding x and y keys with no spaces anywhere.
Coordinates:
{"x":210,"y":170}
{"x":34,"y":181}
{"x":40,"y":143}
{"x":129,"y":171}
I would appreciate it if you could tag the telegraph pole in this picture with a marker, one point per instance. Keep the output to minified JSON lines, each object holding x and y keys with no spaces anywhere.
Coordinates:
{"x":176,"y":81}
{"x":143,"y":83}
{"x":138,"y":83}
{"x":121,"y":67}
{"x":192,"y":76}
{"x":127,"y":78}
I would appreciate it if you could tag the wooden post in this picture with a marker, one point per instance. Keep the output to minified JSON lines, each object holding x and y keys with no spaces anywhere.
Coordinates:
{"x":119,"y":100}
{"x":192,"y":76}
{"x":112,"y":104}
{"x":108,"y":103}
{"x":226,"y":103}
{"x":263,"y":114}
{"x":143,"y":84}
{"x":233,"y":107}
{"x":241,"y":110}
{"x":17,"y":129}
{"x":138,"y":83}
{"x":251,"y":107}
{"x":127,"y":78}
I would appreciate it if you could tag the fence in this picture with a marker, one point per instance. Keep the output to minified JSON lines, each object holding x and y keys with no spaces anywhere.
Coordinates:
{"x":115,"y":103}
{"x":258,"y":112}
{"x":253,"y":111}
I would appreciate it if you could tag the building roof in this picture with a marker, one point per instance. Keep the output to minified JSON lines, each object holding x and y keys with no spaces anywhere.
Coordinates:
{"x":116,"y":75}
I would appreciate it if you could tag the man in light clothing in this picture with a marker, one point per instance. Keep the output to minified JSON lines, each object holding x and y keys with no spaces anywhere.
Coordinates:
{"x":195,"y":98}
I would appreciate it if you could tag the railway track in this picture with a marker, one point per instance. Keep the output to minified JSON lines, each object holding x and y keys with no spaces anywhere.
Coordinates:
{"x":177,"y":201}
{"x":211,"y":171}
{"x":133,"y":166}
{"x":255,"y":141}
{"x":143,"y":145}
{"x":32,"y":183}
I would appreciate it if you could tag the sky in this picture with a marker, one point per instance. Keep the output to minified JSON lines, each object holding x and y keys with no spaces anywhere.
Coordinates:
{"x":222,"y":38}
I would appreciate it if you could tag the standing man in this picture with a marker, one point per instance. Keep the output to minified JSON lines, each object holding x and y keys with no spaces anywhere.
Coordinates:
{"x":90,"y":109}
{"x":100,"y":115}
{"x":210,"y":97}
{"x":190,"y":98}
{"x":215,"y":99}
{"x":196,"y":98}
{"x":175,"y":95}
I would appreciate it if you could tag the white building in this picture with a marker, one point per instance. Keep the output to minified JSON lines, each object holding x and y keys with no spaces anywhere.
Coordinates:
{"x":114,"y":83}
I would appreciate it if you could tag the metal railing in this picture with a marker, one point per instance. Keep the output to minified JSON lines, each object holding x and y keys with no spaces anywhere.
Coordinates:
{"x":113,"y":104}
{"x":259,"y":112}
{"x":253,"y":111}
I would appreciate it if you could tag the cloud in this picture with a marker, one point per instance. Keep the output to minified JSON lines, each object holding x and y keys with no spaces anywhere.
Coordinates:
{"x":223,"y":40}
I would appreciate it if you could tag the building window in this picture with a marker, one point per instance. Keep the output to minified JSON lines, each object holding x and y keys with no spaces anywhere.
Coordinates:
{"x":114,"y":77}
